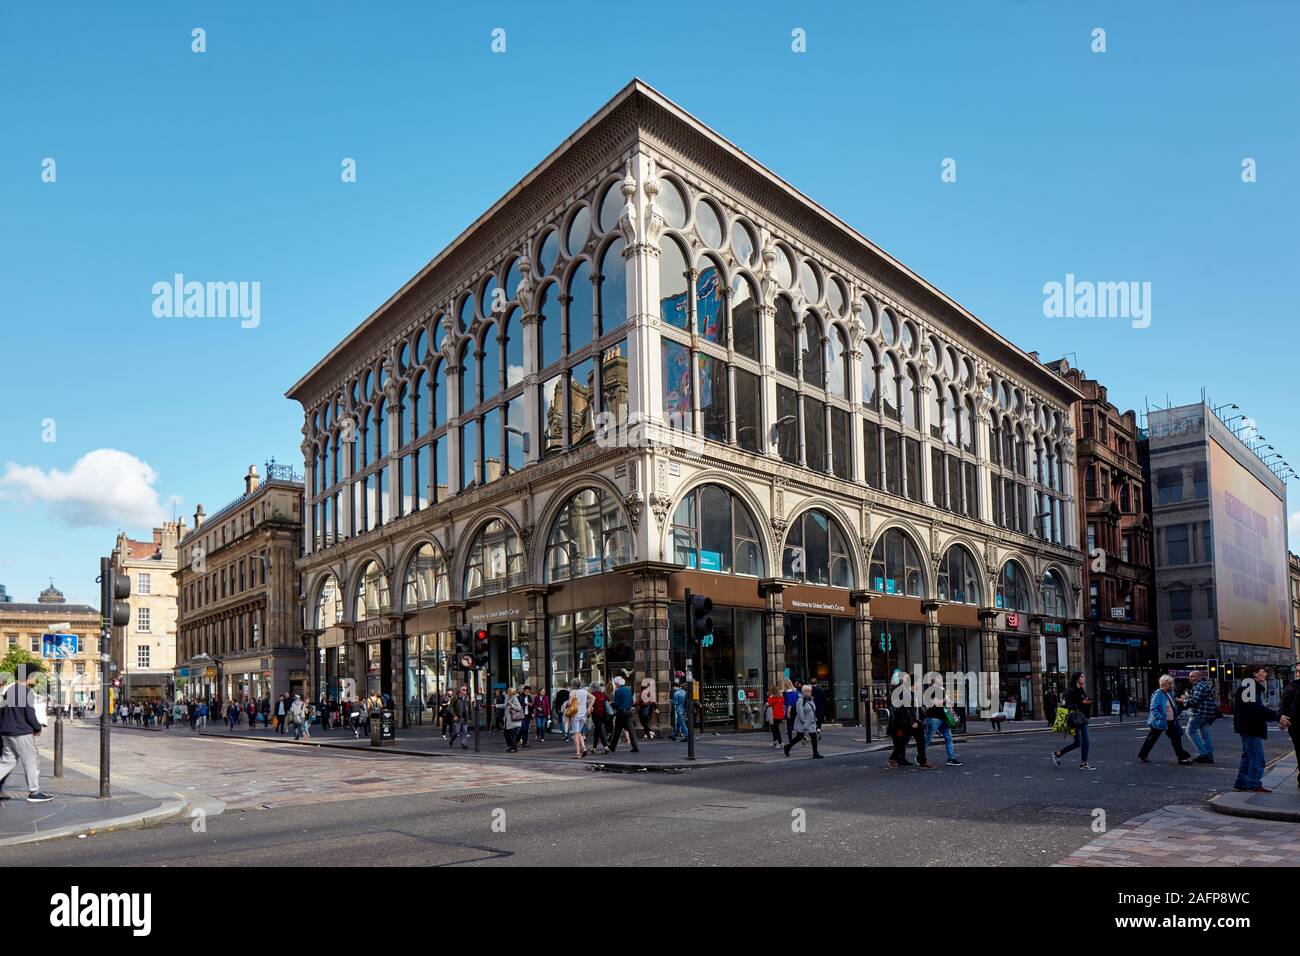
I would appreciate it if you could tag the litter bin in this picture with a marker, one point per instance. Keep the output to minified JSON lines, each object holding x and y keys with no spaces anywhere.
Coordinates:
{"x":383,"y":729}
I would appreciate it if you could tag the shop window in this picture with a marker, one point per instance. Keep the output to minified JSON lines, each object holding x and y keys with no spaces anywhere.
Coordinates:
{"x":896,"y":566}
{"x":714,"y":531}
{"x":958,"y":579}
{"x":496,"y":560}
{"x":1013,"y":588}
{"x":1052,"y":593}
{"x":371,"y":594}
{"x":589,"y":536}
{"x":817,"y":552}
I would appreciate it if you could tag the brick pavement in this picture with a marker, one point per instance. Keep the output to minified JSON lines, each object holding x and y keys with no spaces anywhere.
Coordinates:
{"x":1191,"y":836}
{"x":247,"y":774}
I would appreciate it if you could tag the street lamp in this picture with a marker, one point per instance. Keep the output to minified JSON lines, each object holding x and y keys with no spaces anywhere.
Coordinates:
{"x":778,"y":424}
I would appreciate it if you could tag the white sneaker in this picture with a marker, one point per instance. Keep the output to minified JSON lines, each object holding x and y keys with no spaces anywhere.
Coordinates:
{"x":1087,"y":766}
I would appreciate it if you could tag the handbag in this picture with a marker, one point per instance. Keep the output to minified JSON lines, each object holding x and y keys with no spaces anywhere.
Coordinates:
{"x":949,"y":717}
{"x":1061,"y":724}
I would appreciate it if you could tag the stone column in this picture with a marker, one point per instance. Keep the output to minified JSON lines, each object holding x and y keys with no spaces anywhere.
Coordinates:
{"x":931,"y":610}
{"x":310,"y":532}
{"x":862,"y":634}
{"x":989,"y":665}
{"x":773,"y":629}
{"x":535,"y":622}
{"x":1036,"y":639}
{"x":651,"y":641}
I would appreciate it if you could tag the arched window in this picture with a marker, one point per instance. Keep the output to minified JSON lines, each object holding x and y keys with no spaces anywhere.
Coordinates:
{"x":838,"y":379}
{"x":709,"y":312}
{"x":613,"y":286}
{"x":816,"y":551}
{"x":1013,"y":588}
{"x":908,"y":397}
{"x":714,"y":531}
{"x":870,"y":391}
{"x":589,"y":536}
{"x":496,"y":561}
{"x":468,"y":377}
{"x":672,"y":284}
{"x":329,"y":603}
{"x":813,"y":352}
{"x":896,"y":566}
{"x":889,"y":386}
{"x":744,"y":318}
{"x":582,"y":313}
{"x":786,"y":333}
{"x":406,"y":416}
{"x":372,"y":593}
{"x":958,"y":577}
{"x":550,"y":341}
{"x":438,"y":393}
{"x":514,"y":350}
{"x":1052,"y":592}
{"x":491,"y":374}
{"x":426,"y":580}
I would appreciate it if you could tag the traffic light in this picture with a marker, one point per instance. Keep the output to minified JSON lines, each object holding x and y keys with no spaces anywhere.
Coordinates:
{"x":701,"y":611}
{"x":1228,"y":672}
{"x":481,"y":648}
{"x":114,"y":589}
{"x":1213,"y":668}
{"x":464,"y":649}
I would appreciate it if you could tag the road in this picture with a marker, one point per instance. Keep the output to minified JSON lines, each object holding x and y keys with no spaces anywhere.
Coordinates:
{"x":298,"y":806}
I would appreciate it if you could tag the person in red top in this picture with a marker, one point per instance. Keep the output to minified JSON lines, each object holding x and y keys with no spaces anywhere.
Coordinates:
{"x":775,"y":714}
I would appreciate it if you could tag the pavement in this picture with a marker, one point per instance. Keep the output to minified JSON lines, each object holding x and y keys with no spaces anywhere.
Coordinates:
{"x":76,"y":809}
{"x":657,"y":755}
{"x":1283,"y":804}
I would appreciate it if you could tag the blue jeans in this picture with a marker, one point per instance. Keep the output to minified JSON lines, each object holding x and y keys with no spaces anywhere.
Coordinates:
{"x":1082,"y":741}
{"x":523,"y":732}
{"x":933,"y":724}
{"x":1198,"y":729}
{"x":1251,"y":773}
{"x":679,"y":722}
{"x":541,"y":726}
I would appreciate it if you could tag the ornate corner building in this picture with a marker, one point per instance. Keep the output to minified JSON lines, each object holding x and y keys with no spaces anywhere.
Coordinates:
{"x":653,"y":365}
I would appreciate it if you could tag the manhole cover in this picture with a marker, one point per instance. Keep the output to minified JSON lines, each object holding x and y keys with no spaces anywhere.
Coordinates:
{"x":356,"y":780}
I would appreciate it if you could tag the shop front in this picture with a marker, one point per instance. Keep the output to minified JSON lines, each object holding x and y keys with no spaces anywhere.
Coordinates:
{"x":897,"y":642}
{"x":333,"y":676}
{"x":377,"y":668}
{"x":1124,"y":672}
{"x":731,"y":670}
{"x":1053,"y":659}
{"x":1017,"y":655}
{"x":820,"y":624}
{"x":428,"y":666}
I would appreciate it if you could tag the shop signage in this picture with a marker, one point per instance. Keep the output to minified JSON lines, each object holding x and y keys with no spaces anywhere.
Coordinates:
{"x":377,"y":630}
{"x":710,"y":560}
{"x":819,"y":606}
{"x":598,"y":636}
{"x":1117,"y":613}
{"x":1052,"y":627}
{"x":1122,"y":641}
{"x":1013,"y":619}
{"x":495,"y":615}
{"x":182,"y":672}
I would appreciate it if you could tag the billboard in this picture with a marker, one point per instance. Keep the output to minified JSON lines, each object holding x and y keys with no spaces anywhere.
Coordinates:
{"x":1250,"y":565}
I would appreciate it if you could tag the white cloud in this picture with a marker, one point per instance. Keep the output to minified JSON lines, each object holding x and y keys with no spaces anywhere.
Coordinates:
{"x":106,"y":487}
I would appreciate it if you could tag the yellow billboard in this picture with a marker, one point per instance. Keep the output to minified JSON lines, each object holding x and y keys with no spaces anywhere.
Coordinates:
{"x":1250,"y":564}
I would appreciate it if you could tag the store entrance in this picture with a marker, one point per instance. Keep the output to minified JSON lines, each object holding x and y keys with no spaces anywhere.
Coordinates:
{"x":821,"y":648}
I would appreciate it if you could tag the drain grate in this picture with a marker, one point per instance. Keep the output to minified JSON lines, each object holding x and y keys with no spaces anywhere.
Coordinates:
{"x":472,"y":797}
{"x":356,"y":780}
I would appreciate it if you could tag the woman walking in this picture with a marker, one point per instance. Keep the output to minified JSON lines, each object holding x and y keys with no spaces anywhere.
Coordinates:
{"x":576,"y":709}
{"x":1162,"y":718}
{"x":542,"y":710}
{"x":1078,"y":703}
{"x":805,"y":721}
{"x":512,"y":716}
{"x":647,"y":704}
{"x":775,"y":714}
{"x":790,"y":695}
{"x":599,"y":715}
{"x":906,"y":722}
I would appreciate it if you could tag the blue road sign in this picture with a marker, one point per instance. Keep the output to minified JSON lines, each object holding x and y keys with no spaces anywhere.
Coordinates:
{"x":60,"y":645}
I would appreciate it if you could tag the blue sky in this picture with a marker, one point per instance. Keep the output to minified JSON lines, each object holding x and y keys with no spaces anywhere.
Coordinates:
{"x":1115,"y":166}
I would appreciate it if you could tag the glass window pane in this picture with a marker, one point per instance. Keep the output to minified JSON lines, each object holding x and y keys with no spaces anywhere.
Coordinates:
{"x":613,"y":383}
{"x":581,"y":311}
{"x":744,"y":319}
{"x":469,"y":449}
{"x":841,"y":458}
{"x":814,"y":427}
{"x":551,"y":414}
{"x":491,"y":374}
{"x":709,"y":306}
{"x":787,"y":424}
{"x":582,"y":387}
{"x":749,"y":404}
{"x":550,"y":343}
{"x":672,"y":284}
{"x":786,"y":334}
{"x":490,"y":433}
{"x":713,"y":398}
{"x":613,"y":288}
{"x":677,"y":402}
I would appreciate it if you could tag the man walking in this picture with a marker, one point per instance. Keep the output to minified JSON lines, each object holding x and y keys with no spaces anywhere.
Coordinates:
{"x":680,"y":731}
{"x":936,"y":717}
{"x":623,"y":708}
{"x":19,"y":728}
{"x":1203,"y":702}
{"x":1250,"y":719}
{"x":1163,"y":719}
{"x":460,"y":712}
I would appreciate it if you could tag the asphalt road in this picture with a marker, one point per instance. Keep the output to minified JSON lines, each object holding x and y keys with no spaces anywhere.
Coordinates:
{"x":1007,"y":806}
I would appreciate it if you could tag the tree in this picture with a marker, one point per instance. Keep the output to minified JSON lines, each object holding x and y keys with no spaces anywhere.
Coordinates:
{"x":20,"y":657}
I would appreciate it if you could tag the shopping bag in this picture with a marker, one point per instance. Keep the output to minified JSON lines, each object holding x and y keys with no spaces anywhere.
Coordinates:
{"x":1062,"y":723}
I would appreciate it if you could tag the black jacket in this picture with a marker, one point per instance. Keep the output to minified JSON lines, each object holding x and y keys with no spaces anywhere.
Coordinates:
{"x":16,"y":721}
{"x":1251,"y":718}
{"x":1291,"y":705}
